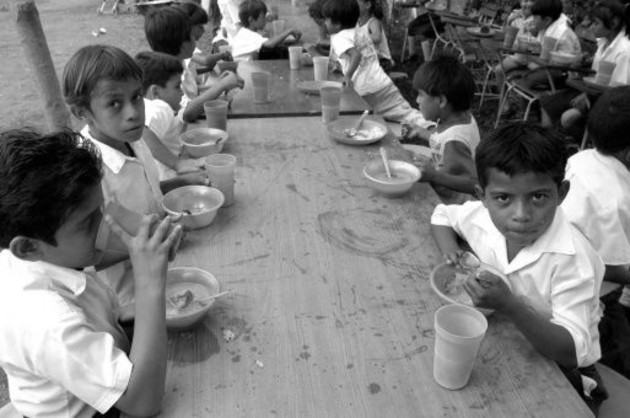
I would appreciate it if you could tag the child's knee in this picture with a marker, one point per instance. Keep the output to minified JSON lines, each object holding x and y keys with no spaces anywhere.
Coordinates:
{"x":570,"y":118}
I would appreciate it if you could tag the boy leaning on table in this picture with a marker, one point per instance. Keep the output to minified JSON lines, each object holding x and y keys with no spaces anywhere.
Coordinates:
{"x":518,"y":228}
{"x":60,"y":343}
{"x":598,"y":204}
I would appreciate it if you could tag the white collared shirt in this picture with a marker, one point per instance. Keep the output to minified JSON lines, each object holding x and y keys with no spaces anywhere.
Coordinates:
{"x":160,"y":119}
{"x":618,"y":52}
{"x":60,"y":343}
{"x":245,"y":43}
{"x":559,"y":275}
{"x":135,"y":184}
{"x":568,"y":41}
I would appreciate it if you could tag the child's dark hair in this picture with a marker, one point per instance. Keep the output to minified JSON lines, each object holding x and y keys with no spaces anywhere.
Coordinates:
{"x":447,"y":76}
{"x":608,"y":121}
{"x":607,"y":11}
{"x":167,"y":29}
{"x":197,"y":15}
{"x":547,"y":8}
{"x":342,"y":12}
{"x":251,"y":8}
{"x":377,"y":8}
{"x":158,"y":68}
{"x":315,"y":10}
{"x":94,"y":63}
{"x":519,"y":148}
{"x":44,"y":179}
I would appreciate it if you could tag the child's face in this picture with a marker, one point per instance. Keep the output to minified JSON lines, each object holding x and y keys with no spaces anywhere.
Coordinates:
{"x":76,"y":237}
{"x":188,"y":47}
{"x":197,"y":32}
{"x":364,"y":5}
{"x":526,"y":7}
{"x":116,"y":112}
{"x":259,"y":23}
{"x":523,"y":206}
{"x":430,"y":106}
{"x":599,"y":30}
{"x":172,"y":92}
{"x":331,"y":27}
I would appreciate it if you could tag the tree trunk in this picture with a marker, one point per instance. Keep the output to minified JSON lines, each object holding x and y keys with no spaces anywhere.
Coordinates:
{"x":37,"y":53}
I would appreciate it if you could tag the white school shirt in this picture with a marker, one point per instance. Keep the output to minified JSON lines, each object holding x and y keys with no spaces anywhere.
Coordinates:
{"x":382,"y":49}
{"x":369,"y":76}
{"x":559,"y":275}
{"x":568,"y":41}
{"x":160,"y":119}
{"x":246,"y":43}
{"x":135,"y":184}
{"x":60,"y":343}
{"x":618,"y":52}
{"x":229,"y":17}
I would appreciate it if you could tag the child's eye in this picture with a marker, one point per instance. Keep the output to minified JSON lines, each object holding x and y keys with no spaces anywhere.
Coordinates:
{"x":539,"y":198}
{"x":114,"y":104}
{"x":502,"y":199}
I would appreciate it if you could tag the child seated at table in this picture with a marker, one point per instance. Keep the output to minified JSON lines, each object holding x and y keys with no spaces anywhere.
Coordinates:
{"x":518,"y":228}
{"x":610,"y":27}
{"x":169,"y":30}
{"x":61,"y":346}
{"x":523,"y":20}
{"x":598,"y":204}
{"x":102,"y":85}
{"x":446,"y":90}
{"x":248,"y":44}
{"x":370,"y":21}
{"x":161,"y":83}
{"x":356,"y":54}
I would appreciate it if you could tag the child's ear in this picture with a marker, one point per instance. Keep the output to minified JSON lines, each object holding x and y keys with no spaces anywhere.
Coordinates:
{"x":79,"y":112}
{"x":443,"y":101}
{"x":563,"y":190}
{"x":480,"y":193}
{"x":26,"y":248}
{"x":153,"y":92}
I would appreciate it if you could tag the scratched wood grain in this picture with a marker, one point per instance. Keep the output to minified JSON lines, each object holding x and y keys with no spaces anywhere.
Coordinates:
{"x":332,"y":298}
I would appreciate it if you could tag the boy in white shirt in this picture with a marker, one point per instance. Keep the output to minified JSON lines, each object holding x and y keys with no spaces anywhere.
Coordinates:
{"x":248,"y":42}
{"x":518,"y":228}
{"x":161,"y":82}
{"x":358,"y":58}
{"x":61,"y":346}
{"x":598,"y":204}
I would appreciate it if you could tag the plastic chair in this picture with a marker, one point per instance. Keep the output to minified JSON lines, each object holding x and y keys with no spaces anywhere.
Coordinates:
{"x":617,"y":405}
{"x":482,"y":70}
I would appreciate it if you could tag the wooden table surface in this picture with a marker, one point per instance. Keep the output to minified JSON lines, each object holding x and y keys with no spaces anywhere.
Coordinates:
{"x":332,"y":298}
{"x":286,"y":99}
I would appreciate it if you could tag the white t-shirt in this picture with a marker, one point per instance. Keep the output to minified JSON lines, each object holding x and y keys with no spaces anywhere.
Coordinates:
{"x":382,"y":49}
{"x":135,"y":184}
{"x":618,"y":52}
{"x":60,"y":342}
{"x":167,"y":127}
{"x":369,"y":76}
{"x":559,"y":275}
{"x":246,"y":43}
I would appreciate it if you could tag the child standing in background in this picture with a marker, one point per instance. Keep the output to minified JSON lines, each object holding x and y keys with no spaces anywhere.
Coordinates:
{"x":371,"y":21}
{"x":354,"y":50}
{"x":446,"y":90}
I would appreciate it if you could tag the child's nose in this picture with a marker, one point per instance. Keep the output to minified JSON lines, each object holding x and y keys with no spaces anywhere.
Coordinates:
{"x":522,"y":212}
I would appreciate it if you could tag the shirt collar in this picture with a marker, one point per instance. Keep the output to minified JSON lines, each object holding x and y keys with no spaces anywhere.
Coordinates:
{"x":112,"y":158}
{"x":557,"y":238}
{"x":40,"y":275}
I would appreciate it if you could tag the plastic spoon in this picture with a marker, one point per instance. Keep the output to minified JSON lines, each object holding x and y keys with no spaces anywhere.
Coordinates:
{"x":385,"y":162}
{"x":353,"y":131}
{"x":208,"y":299}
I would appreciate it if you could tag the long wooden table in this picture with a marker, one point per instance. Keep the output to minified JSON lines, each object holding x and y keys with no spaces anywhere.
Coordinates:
{"x":333,"y":311}
{"x":286,"y":98}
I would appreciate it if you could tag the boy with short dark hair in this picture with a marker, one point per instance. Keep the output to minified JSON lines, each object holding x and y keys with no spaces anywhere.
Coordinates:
{"x":248,"y":44}
{"x":169,"y":30}
{"x":599,"y":206}
{"x":518,"y":228}
{"x":60,"y":343}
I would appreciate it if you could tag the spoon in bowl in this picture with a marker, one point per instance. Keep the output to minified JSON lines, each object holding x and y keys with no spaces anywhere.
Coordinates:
{"x":385,"y":162}
{"x":353,"y":131}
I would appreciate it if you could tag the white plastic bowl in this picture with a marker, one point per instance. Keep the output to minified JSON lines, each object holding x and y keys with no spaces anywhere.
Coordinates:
{"x":198,"y":205}
{"x":404,"y":175}
{"x":201,"y":142}
{"x":441,"y":277}
{"x":201,"y":283}
{"x":563,"y":58}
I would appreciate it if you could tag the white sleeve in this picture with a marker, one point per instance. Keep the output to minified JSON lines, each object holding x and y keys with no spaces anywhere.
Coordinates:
{"x":340,"y":44}
{"x":247,"y":42}
{"x":447,"y":215}
{"x":158,"y":118}
{"x":621,"y":75}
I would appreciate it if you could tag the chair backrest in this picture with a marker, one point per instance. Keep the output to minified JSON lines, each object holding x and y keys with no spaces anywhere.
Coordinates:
{"x":488,"y":13}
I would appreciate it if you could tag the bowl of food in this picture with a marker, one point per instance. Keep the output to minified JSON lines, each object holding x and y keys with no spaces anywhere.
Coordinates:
{"x":197,"y":205}
{"x":227,"y":66}
{"x":189,"y":292}
{"x":563,"y":58}
{"x":344,"y":130}
{"x":403,"y":176}
{"x":201,"y":142}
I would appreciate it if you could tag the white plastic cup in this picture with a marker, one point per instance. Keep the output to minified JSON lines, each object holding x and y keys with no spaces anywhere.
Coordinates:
{"x":220,"y":169}
{"x":605,"y":70}
{"x":459,"y":330}
{"x":548,"y":45}
{"x":278,"y":26}
{"x":510,"y":36}
{"x":295,"y":54}
{"x":426,"y":50}
{"x":261,"y":83}
{"x":320,"y":68}
{"x":216,"y":114}
{"x":331,"y":99}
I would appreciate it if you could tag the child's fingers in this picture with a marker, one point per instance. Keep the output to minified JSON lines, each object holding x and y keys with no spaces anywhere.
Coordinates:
{"x":117,"y":230}
{"x":172,"y":252}
{"x":161,"y":230}
{"x":171,"y":238}
{"x":145,"y":226}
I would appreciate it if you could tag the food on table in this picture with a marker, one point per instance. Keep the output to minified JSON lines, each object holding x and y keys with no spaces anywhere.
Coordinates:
{"x":454,"y":288}
{"x":396,"y":178}
{"x":182,"y":300}
{"x":186,"y":297}
{"x":368,"y":134}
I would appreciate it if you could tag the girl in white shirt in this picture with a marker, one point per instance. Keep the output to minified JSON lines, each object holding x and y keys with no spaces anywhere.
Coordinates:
{"x":370,"y":21}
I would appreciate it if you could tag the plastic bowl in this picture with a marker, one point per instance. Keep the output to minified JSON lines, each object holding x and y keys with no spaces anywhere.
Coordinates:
{"x":442,"y":281}
{"x":563,"y":58}
{"x":370,"y":131}
{"x":201,"y":284}
{"x":201,"y":142}
{"x":198,"y":205}
{"x":404,"y":175}
{"x":227,"y":66}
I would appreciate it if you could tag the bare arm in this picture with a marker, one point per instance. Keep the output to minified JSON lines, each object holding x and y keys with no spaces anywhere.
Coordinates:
{"x":276,"y":40}
{"x":158,"y":149}
{"x":355,"y":60}
{"x":617,"y":274}
{"x":458,"y":173}
{"x":227,"y":81}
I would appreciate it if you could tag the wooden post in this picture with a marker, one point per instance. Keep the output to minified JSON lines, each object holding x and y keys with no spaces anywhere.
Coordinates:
{"x":37,"y":53}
